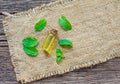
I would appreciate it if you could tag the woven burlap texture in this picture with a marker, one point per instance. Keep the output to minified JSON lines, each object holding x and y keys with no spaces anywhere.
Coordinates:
{"x":95,"y":35}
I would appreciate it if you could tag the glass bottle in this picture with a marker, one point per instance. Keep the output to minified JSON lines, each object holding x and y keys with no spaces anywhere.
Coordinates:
{"x":49,"y":41}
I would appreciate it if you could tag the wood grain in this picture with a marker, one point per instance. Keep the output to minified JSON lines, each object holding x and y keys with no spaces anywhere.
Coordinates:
{"x":13,"y":6}
{"x":106,"y":73}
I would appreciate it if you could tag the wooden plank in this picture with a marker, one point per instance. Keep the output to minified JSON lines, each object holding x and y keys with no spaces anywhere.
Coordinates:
{"x":3,"y":50}
{"x":1,"y":25}
{"x":13,"y":6}
{"x":3,"y":44}
{"x":103,"y":77}
{"x":3,"y":38}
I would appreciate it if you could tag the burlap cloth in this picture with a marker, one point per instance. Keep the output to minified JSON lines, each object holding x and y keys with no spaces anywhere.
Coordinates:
{"x":95,"y":35}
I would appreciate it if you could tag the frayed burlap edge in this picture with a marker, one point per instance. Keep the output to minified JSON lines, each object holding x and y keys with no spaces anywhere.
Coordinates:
{"x":71,"y":68}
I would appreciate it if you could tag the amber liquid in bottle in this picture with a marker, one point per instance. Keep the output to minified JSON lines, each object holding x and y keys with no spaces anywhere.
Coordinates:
{"x":49,"y":41}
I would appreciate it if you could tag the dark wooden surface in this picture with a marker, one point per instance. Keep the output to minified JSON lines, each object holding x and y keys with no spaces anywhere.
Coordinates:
{"x":106,"y":73}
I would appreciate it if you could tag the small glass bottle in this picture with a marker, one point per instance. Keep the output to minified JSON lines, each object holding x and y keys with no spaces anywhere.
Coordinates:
{"x":49,"y":41}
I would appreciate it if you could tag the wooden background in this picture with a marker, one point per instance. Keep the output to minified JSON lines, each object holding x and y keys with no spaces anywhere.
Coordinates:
{"x":106,"y":73}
